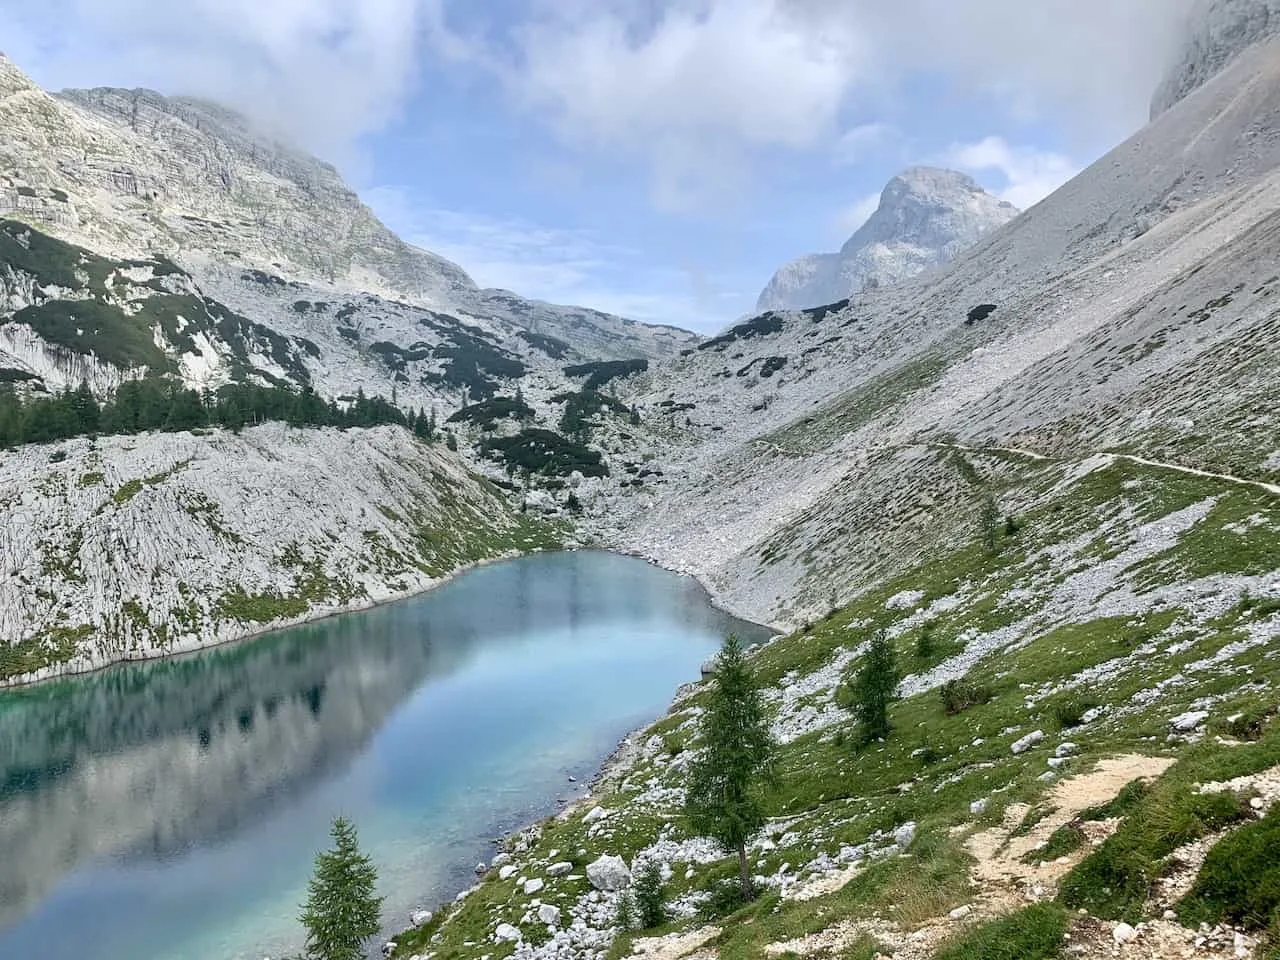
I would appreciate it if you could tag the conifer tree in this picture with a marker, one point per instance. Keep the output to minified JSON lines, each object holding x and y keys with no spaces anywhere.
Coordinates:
{"x":341,"y":911}
{"x":989,"y":522}
{"x":649,"y":895}
{"x":874,"y":687}
{"x":724,"y":793}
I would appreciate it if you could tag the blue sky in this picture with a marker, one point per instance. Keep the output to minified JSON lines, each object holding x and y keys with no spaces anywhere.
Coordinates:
{"x":655,"y":158}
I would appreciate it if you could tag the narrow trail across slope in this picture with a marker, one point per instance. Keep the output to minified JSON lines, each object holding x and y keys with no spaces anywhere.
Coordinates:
{"x":1270,"y":488}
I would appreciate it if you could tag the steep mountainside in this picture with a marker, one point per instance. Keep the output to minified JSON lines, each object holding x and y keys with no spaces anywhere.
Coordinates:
{"x":805,"y":453}
{"x":134,"y":547}
{"x":1218,"y":31}
{"x":926,"y":216}
{"x":132,"y":174}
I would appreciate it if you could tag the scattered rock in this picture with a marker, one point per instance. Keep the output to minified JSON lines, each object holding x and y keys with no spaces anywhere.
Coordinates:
{"x":549,"y":914}
{"x":609,"y":873}
{"x":959,"y":913}
{"x":1123,"y":933}
{"x":561,"y":869}
{"x":1026,"y":743}
{"x":595,"y":814}
{"x":419,"y":917}
{"x":506,"y":872}
{"x":904,"y":835}
{"x":533,"y":886}
{"x":1189,"y":721}
{"x":508,"y":933}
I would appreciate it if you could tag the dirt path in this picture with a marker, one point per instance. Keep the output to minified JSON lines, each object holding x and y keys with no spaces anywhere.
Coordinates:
{"x":1000,"y":868}
{"x":1271,"y":488}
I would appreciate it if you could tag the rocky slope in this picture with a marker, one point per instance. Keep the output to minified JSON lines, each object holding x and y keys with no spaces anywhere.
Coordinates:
{"x":926,"y":216}
{"x":135,"y":547}
{"x":802,"y":455}
{"x":1087,"y":709}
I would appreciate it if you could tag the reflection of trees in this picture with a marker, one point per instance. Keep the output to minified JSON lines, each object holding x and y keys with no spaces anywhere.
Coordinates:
{"x":144,"y":760}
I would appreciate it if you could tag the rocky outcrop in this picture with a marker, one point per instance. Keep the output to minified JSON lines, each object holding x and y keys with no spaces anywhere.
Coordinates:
{"x":1217,"y":31}
{"x":925,"y":218}
{"x":142,"y":546}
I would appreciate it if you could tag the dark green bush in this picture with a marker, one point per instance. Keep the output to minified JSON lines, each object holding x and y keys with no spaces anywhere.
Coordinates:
{"x":959,"y":695}
{"x":651,"y":907}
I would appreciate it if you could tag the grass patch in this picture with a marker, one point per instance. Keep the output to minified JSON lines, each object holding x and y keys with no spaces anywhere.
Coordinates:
{"x":1067,"y":839}
{"x":1240,"y":879}
{"x":1033,"y":933}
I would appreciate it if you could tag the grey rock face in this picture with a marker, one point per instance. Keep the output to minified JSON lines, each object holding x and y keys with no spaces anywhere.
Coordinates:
{"x":926,"y":217}
{"x":1217,"y":31}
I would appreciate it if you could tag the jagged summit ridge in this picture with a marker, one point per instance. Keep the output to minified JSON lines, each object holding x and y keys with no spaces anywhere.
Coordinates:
{"x":1217,"y":31}
{"x":926,"y":216}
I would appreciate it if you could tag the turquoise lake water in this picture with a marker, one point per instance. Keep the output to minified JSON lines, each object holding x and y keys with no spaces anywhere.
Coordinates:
{"x":171,"y":810}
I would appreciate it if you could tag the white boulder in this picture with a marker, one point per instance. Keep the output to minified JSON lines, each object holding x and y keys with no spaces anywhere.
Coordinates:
{"x":1187,"y":722}
{"x":549,"y":914}
{"x":609,"y":873}
{"x":508,"y":933}
{"x":1024,"y":744}
{"x":1123,"y":933}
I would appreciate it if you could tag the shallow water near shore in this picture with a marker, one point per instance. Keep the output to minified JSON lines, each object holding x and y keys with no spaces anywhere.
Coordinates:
{"x":171,"y":810}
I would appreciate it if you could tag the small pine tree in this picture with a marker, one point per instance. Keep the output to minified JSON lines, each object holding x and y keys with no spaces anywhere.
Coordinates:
{"x":624,"y":910}
{"x":925,"y":641}
{"x":649,"y":895}
{"x":724,"y":791}
{"x":874,"y":687}
{"x":989,"y":524}
{"x":341,"y":911}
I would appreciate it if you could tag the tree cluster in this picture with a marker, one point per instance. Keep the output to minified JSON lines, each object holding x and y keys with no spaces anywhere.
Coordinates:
{"x":153,"y":404}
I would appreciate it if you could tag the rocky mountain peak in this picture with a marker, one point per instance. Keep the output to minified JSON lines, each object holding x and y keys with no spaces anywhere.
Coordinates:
{"x":1217,"y":31}
{"x":926,"y":216}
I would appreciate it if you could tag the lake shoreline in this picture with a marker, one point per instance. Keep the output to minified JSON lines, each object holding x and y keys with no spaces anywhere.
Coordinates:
{"x":624,"y":753}
{"x":327,"y":613}
{"x":318,"y":615}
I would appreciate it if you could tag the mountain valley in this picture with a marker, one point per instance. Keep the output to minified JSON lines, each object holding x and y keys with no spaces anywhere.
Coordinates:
{"x":1038,"y":451}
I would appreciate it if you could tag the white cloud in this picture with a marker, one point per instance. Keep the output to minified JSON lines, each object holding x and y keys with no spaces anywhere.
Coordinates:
{"x":1029,"y":174}
{"x":319,"y":72}
{"x":858,"y":142}
{"x":848,"y":220}
{"x":557,"y":265}
{"x":683,"y":85}
{"x":693,"y":88}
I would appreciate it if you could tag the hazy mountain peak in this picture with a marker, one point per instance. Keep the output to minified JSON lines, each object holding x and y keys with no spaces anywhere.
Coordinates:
{"x":1217,"y":31}
{"x":926,"y":216}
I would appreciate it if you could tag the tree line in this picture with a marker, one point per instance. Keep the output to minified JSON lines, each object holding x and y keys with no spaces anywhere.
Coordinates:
{"x":139,"y":406}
